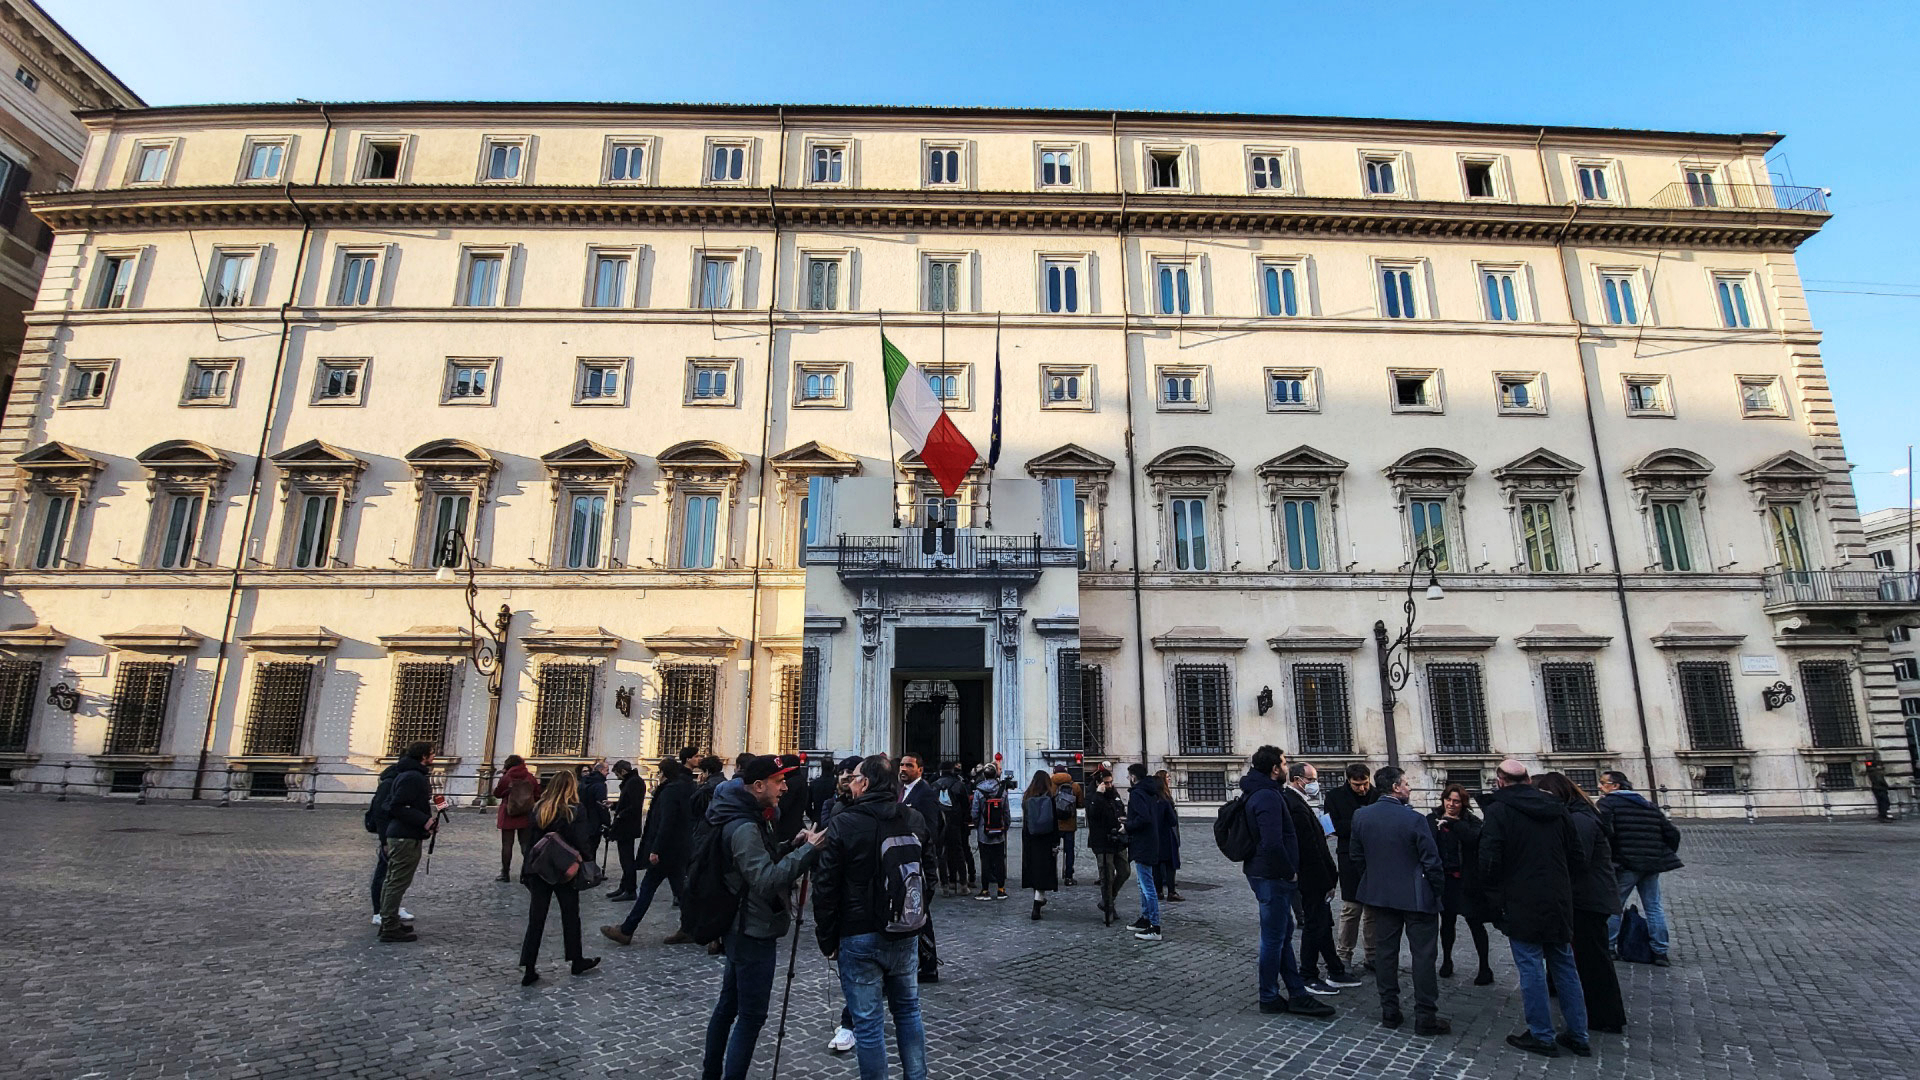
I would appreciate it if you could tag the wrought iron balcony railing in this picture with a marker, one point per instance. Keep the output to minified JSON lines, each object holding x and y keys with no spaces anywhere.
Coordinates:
{"x":1718,"y":196}
{"x":1874,"y":587}
{"x":957,"y":549}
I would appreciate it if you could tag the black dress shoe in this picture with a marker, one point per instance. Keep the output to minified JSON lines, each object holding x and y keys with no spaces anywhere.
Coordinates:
{"x":1608,"y":1029}
{"x":1526,"y":1041}
{"x":620,"y":897}
{"x":582,"y":966}
{"x":1485,"y":978}
{"x":1308,"y":1005}
{"x":1435,"y":1026}
{"x":530,"y":977}
{"x":1660,"y":960}
{"x":1579,"y":1049}
{"x":1446,"y":968}
{"x":1277,"y":1005}
{"x":1392,"y":1019}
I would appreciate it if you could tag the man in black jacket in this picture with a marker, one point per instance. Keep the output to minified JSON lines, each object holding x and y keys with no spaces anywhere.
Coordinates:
{"x":665,"y":847}
{"x":917,"y":792}
{"x":1400,"y":882}
{"x":793,"y":805}
{"x":411,"y":819}
{"x":1147,"y":810}
{"x":1107,"y":839}
{"x":1341,"y":803}
{"x":876,"y":967}
{"x":628,"y":823}
{"x":1319,"y":875}
{"x":1272,"y":874}
{"x":1529,"y":854}
{"x":1645,"y":845}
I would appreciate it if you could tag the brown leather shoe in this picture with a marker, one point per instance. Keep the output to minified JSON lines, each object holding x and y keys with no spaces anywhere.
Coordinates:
{"x":616,"y":935}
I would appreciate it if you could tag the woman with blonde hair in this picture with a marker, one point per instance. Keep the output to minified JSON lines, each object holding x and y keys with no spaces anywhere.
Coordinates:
{"x":557,"y":812}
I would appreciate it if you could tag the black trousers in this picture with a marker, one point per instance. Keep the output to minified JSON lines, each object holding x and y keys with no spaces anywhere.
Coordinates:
{"x":956,"y":863}
{"x":379,"y":874}
{"x":1883,"y":803}
{"x":1316,"y":937}
{"x":1598,"y":979}
{"x":1422,"y":932}
{"x":542,"y":894}
{"x":1449,"y":925}
{"x":629,"y":865}
{"x":993,"y":865}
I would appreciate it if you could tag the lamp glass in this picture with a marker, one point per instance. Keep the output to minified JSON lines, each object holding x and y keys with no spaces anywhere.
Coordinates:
{"x":1435,"y":592}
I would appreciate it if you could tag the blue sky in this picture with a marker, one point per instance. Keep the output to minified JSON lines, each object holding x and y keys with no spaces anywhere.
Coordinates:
{"x":1836,"y":79}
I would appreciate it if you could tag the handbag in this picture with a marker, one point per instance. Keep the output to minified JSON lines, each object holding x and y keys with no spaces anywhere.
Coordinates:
{"x":555,"y":861}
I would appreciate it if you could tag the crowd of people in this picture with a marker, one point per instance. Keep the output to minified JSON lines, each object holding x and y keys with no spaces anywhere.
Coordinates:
{"x":876,"y":839}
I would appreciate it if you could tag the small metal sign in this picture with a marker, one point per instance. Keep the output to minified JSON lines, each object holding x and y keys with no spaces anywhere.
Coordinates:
{"x":1759,"y":664}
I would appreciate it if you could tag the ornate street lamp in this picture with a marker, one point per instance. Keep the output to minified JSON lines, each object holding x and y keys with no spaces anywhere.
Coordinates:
{"x":1394,"y":669}
{"x":488,"y":648}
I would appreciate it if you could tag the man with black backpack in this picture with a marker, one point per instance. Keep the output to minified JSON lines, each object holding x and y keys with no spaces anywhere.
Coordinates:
{"x":375,"y":820}
{"x":737,"y":887}
{"x":870,"y":901}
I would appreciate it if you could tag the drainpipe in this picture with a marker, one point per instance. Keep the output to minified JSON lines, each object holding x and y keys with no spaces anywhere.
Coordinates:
{"x":1600,"y":469}
{"x":248,"y":517}
{"x":766,"y":437}
{"x":1133,"y":494}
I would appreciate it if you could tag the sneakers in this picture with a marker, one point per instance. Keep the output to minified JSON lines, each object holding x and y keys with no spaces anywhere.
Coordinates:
{"x":1341,"y":982}
{"x":1526,"y":1041}
{"x":1001,"y":895}
{"x":1320,"y":987}
{"x":1151,"y":933}
{"x":1277,"y":1005}
{"x":842,"y":1040}
{"x":984,"y":895}
{"x":616,"y":935}
{"x":1140,"y":923}
{"x":1579,"y":1048}
{"x":405,"y":916}
{"x":1310,"y":1006}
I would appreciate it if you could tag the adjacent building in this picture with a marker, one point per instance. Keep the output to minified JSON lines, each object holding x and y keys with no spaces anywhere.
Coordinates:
{"x":524,"y":427}
{"x":1891,"y":545}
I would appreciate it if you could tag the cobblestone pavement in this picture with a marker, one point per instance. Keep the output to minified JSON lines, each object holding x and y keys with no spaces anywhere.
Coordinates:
{"x":193,"y":941}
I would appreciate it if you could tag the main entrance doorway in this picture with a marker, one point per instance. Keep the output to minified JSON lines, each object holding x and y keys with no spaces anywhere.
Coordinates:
{"x":945,"y":716}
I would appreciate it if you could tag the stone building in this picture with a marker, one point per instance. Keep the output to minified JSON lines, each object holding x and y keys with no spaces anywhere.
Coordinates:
{"x":1892,"y":548}
{"x":608,"y":359}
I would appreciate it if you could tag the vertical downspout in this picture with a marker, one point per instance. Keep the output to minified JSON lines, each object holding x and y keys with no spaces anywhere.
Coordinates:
{"x":1600,"y":470}
{"x":248,"y":518}
{"x":766,"y":437}
{"x":1133,"y":495}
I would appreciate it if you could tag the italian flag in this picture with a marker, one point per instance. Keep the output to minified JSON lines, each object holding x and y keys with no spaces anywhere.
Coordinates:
{"x":916,"y":414}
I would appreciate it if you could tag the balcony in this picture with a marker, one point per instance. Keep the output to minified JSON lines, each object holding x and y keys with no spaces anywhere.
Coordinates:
{"x":1719,"y":196}
{"x":915,"y":552}
{"x":1856,"y":595}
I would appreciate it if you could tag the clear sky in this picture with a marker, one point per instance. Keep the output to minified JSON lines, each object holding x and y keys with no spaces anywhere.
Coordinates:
{"x":1837,"y":79}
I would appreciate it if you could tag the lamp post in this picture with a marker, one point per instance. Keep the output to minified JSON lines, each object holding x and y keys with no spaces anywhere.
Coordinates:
{"x":1394,"y":670}
{"x":488,"y":648}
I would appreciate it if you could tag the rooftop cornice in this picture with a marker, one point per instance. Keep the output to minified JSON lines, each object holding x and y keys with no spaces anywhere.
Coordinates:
{"x":553,"y":206}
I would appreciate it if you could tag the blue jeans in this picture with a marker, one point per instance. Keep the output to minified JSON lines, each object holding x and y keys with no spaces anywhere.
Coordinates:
{"x":1533,"y":961}
{"x":742,"y":1008}
{"x":1276,"y":939}
{"x":873,"y":968}
{"x":1149,"y":896}
{"x":1066,"y":853}
{"x":1649,"y":886}
{"x":643,"y":899}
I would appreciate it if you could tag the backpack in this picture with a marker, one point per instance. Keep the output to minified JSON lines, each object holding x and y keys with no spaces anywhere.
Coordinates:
{"x":903,"y":888}
{"x":1233,"y":830}
{"x":709,"y":903}
{"x":376,"y":815}
{"x":993,"y":815}
{"x":1636,"y":941}
{"x":519,"y":801}
{"x":1039,"y":815}
{"x":1065,"y":804}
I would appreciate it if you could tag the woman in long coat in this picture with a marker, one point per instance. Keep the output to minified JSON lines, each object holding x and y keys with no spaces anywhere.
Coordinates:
{"x":1040,"y":841}
{"x":1456,"y":829}
{"x":1164,"y":876}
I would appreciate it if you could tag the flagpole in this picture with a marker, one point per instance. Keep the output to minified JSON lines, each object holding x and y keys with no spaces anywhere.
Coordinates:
{"x":893,"y":460}
{"x":993,"y":437}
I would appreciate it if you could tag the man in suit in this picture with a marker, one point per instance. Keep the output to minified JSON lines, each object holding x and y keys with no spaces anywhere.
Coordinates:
{"x":1319,"y":875}
{"x":1400,"y":881}
{"x":917,"y":792}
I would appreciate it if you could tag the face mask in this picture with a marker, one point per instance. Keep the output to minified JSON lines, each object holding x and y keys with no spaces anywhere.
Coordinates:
{"x":1312,"y":789}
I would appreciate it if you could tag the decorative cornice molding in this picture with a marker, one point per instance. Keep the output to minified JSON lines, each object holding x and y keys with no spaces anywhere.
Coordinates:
{"x":292,"y":639}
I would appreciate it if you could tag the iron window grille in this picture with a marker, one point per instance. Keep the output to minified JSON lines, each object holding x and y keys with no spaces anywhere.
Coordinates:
{"x":1718,"y":780}
{"x":686,"y":707}
{"x":1073,"y":732}
{"x":807,"y":716}
{"x":1829,"y":690}
{"x":1706,"y":698}
{"x":790,"y":683}
{"x":421,"y":693}
{"x":1207,"y":785}
{"x":1471,"y":779}
{"x":277,"y":715}
{"x":1588,"y":780}
{"x":1202,"y":708}
{"x":1573,"y":708}
{"x":19,"y":693}
{"x":1323,"y":708}
{"x":563,"y":710}
{"x":140,"y":693}
{"x":1837,"y":776}
{"x":1459,"y":708}
{"x":1093,"y":711}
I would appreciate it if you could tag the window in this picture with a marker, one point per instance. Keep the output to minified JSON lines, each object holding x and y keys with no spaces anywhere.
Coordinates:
{"x":27,"y":79}
{"x":699,"y":531}
{"x":1381,"y":171}
{"x":1322,"y":709}
{"x":1300,"y":531}
{"x":820,"y":384}
{"x":1617,"y":297}
{"x":943,"y":170}
{"x":1730,"y":291}
{"x":1673,"y":534}
{"x":804,"y":729}
{"x":113,"y":285}
{"x":1430,"y":530}
{"x":1594,"y":180}
{"x":1882,"y":560}
{"x":380,"y":159}
{"x":1190,"y":534}
{"x":627,"y":163}
{"x":1760,"y":396}
{"x":1573,"y":708}
{"x":686,"y":707}
{"x":710,"y":382}
{"x":1789,"y":544}
{"x":1647,"y":395}
{"x":1173,"y":287}
{"x":1703,"y":187}
{"x":451,"y":513}
{"x":263,"y":159}
{"x":88,"y":382}
{"x":1066,"y":386}
{"x":611,"y":272}
{"x":469,"y":381}
{"x":1502,"y":289}
{"x":726,"y":162}
{"x":1837,"y":776}
{"x":359,"y":278}
{"x":1520,"y":393}
{"x":1182,"y":389}
{"x":1060,"y":281}
{"x":1267,"y":172}
{"x":1056,"y":168}
{"x":1718,"y":780}
{"x":1907,"y":669}
{"x":1163,"y":169}
{"x":827,"y":165}
{"x":501,"y":159}
{"x":1459,"y":708}
{"x":139,"y":711}
{"x":1537,"y":536}
{"x":1280,"y":288}
{"x":56,"y":526}
{"x":1898,"y":634}
{"x":231,"y":282}
{"x":313,"y":543}
{"x":180,"y":520}
{"x":422,"y":691}
{"x":1415,"y":390}
{"x":815,"y":516}
{"x":150,"y":162}
{"x":586,"y":521}
{"x":601,"y":380}
{"x":480,"y":284}
{"x":1706,"y":699}
{"x":19,"y":698}
{"x":943,"y":284}
{"x":823,"y":282}
{"x":1291,"y":390}
{"x":715,"y":282}
{"x":277,"y":711}
{"x":339,"y":382}
{"x":951,"y":383}
{"x":1070,"y":694}
{"x":209,"y":382}
{"x":1828,"y":686}
{"x":1479,"y":178}
{"x":1396,"y":291}
{"x":1203,"y":709}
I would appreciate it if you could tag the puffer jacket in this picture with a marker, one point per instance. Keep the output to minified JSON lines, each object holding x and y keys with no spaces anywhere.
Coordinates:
{"x":758,"y":870}
{"x":1276,"y":856}
{"x":1106,"y":823}
{"x":410,"y":806}
{"x":1643,"y":839}
{"x":846,"y":889}
{"x":1529,"y":860}
{"x":1595,"y":890}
